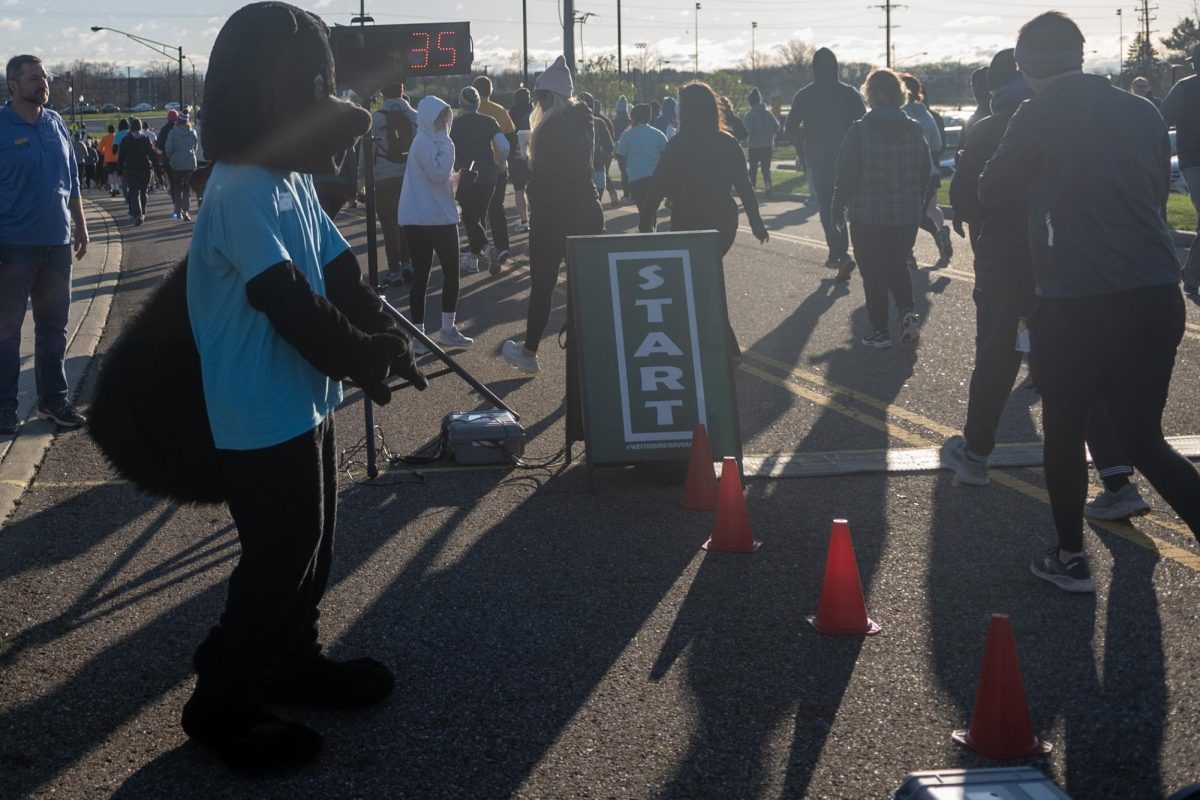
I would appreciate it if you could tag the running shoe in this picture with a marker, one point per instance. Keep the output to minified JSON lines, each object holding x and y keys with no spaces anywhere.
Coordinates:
{"x":1073,"y":576}
{"x":970,"y":471}
{"x":452,"y":337}
{"x":514,"y":354}
{"x":1124,"y":503}
{"x":879,"y":339}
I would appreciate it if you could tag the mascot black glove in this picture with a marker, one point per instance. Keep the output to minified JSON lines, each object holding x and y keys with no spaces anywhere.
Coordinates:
{"x":322,"y":333}
{"x":346,"y":289}
{"x":386,"y":348}
{"x":405,"y":366}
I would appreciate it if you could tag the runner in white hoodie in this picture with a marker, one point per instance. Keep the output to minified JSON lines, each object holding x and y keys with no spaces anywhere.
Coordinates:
{"x":429,"y":216}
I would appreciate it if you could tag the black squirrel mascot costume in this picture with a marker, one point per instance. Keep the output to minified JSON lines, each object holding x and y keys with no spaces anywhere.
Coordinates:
{"x":247,"y":342}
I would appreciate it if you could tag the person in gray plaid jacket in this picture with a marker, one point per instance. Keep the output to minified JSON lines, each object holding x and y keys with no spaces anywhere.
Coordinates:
{"x":882,"y":170}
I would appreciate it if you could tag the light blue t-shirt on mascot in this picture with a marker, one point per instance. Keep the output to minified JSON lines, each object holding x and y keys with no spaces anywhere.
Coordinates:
{"x":259,"y":390}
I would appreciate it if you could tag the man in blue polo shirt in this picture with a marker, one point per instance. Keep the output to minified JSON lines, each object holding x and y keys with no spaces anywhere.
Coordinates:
{"x":39,"y":201}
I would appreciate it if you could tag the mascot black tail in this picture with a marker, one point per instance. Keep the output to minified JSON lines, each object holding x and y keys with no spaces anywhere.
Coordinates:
{"x":149,"y":416}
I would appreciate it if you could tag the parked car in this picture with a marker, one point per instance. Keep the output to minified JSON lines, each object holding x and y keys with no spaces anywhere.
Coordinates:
{"x":110,"y":108}
{"x":1178,"y":184}
{"x":172,"y":106}
{"x":141,"y":107}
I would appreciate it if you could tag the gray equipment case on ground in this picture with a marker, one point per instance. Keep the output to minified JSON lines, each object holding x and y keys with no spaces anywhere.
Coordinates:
{"x":483,"y":437}
{"x":1015,"y":783}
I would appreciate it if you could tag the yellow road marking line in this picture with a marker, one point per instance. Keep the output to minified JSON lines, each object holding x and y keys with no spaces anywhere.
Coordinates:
{"x":1125,"y":531}
{"x":870,"y":400}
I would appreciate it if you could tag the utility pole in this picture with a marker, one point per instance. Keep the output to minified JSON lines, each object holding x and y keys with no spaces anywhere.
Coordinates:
{"x":582,"y":17}
{"x":568,"y":21}
{"x":886,"y":8}
{"x":1144,"y":19}
{"x":697,"y":32}
{"x":524,"y":43}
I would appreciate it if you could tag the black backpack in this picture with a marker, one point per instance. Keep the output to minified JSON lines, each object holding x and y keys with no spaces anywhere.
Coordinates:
{"x":398,"y":136}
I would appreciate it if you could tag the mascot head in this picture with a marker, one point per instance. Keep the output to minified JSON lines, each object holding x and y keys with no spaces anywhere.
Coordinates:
{"x":269,"y":93}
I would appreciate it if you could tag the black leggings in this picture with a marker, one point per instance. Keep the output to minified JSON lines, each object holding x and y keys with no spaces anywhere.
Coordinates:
{"x":474,"y":210}
{"x":880,"y":251}
{"x":1075,"y":343}
{"x":423,"y":242}
{"x":549,"y":228}
{"x":760,"y":158}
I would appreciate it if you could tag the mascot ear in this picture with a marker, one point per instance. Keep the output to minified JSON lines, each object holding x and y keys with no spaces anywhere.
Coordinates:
{"x":269,"y":93}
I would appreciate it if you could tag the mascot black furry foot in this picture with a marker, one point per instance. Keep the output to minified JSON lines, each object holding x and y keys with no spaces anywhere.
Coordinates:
{"x":247,"y":342}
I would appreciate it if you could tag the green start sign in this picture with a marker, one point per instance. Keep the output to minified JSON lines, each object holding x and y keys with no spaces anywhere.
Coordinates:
{"x":652,"y":335}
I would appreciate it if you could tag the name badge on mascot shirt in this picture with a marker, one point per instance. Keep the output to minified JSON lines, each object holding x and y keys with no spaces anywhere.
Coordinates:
{"x":286,"y":203}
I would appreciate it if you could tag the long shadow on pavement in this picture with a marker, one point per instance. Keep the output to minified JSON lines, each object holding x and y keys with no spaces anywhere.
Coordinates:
{"x":1110,"y":708}
{"x":500,"y":630}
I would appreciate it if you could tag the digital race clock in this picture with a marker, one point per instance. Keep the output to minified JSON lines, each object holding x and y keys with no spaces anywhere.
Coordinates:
{"x":369,"y":57}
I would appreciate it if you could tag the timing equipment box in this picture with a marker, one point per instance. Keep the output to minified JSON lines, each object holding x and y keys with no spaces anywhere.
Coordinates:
{"x":483,"y":437}
{"x":1016,"y":783}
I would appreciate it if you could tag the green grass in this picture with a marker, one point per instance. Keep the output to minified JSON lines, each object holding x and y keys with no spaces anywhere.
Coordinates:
{"x":1181,"y":215}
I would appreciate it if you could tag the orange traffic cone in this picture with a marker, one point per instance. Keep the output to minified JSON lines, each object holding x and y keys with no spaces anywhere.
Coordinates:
{"x":731,"y":531}
{"x":1000,"y":726}
{"x":842,"y":610}
{"x":701,"y":490}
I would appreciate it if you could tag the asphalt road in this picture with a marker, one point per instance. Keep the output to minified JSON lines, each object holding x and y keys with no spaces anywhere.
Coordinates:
{"x":555,"y":643}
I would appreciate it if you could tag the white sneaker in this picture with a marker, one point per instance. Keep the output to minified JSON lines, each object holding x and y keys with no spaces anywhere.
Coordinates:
{"x":418,"y":347}
{"x":469,"y":263}
{"x":521,"y":228}
{"x":452,"y":338}
{"x":514,"y":354}
{"x":967,"y":470}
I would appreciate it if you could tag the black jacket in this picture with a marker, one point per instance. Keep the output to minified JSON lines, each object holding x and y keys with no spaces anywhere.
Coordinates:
{"x":696,"y":171}
{"x":1002,"y":259}
{"x":823,"y":111}
{"x":1093,"y":164}
{"x":137,"y":154}
{"x":560,"y":167}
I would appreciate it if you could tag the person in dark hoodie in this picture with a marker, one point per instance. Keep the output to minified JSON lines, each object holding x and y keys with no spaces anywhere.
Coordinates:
{"x":665,"y":121}
{"x":821,"y":114}
{"x":880,"y":180}
{"x":981,"y":88}
{"x":1091,"y":162}
{"x":562,"y":200}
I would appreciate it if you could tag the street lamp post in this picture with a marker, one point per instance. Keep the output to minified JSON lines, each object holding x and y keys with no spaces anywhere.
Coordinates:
{"x":524,"y":43}
{"x":158,"y":47}
{"x":619,"y":39}
{"x":71,"y":92}
{"x":753,"y":50}
{"x":696,"y":31}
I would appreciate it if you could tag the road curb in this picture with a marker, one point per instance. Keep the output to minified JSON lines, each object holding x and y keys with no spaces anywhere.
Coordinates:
{"x":21,"y":457}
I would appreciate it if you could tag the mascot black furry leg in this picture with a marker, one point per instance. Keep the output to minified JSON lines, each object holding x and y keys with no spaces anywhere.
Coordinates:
{"x":248,"y":340}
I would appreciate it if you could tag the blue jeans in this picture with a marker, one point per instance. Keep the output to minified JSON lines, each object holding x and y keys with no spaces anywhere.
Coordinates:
{"x":43,"y":275}
{"x":821,"y":178}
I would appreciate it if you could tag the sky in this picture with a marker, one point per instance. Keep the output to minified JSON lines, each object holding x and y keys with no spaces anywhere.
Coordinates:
{"x":925,"y":31}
